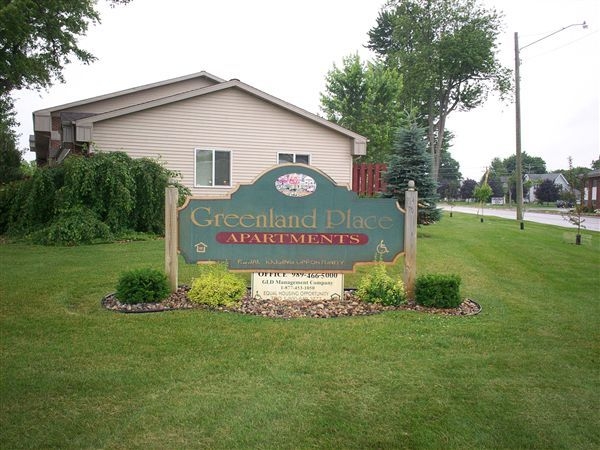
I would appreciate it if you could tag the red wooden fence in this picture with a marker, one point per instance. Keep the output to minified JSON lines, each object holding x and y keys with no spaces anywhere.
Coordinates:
{"x":367,"y":178}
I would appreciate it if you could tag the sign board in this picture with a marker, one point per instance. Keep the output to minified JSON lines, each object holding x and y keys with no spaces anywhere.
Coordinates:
{"x":292,"y":218}
{"x":297,"y":286}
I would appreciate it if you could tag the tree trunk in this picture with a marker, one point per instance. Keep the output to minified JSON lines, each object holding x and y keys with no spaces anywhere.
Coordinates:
{"x":432,"y":144}
{"x":436,"y":131}
{"x":437,"y":158}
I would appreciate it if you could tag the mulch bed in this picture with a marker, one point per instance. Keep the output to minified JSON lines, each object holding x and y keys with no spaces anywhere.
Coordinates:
{"x":323,"y":309}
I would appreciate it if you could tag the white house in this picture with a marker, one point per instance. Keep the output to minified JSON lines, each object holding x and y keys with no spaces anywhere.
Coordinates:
{"x":536,"y":179}
{"x":215,"y":133}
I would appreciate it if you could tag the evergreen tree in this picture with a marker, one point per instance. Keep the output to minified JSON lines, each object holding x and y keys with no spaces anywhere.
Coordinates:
{"x":411,"y":161}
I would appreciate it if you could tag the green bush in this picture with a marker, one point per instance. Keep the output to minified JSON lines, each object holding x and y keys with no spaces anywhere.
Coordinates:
{"x":438,"y":290}
{"x":41,"y":204}
{"x":125,"y":194}
{"x":378,"y":287}
{"x":13,"y":205}
{"x":150,"y":181}
{"x":142,"y":286}
{"x":74,"y":226}
{"x":103,"y":183}
{"x":216,"y":286}
{"x":8,"y":192}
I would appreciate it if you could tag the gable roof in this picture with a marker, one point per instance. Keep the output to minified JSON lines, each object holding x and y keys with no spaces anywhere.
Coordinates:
{"x":202,"y":74}
{"x":231,"y":84}
{"x":546,"y":176}
{"x":593,"y":174}
{"x":542,"y":176}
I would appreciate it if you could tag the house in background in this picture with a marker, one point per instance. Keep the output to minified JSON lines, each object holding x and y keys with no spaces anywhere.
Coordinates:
{"x":215,"y":133}
{"x":536,"y":179}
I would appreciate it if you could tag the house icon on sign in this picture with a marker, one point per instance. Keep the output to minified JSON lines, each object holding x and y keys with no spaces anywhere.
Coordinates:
{"x":201,"y":247}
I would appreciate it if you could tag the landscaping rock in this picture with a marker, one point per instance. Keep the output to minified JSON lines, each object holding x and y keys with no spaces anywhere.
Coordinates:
{"x":286,"y":309}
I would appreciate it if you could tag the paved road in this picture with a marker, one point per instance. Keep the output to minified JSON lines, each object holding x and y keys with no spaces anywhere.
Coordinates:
{"x":591,"y":223}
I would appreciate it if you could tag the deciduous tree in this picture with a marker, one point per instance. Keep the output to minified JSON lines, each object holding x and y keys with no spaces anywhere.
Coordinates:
{"x":547,"y":191}
{"x":37,"y":39}
{"x":10,"y":156}
{"x":449,"y":175}
{"x":446,"y":53}
{"x":365,"y":98}
{"x":467,"y":188}
{"x":497,"y":186}
{"x":530,"y":164}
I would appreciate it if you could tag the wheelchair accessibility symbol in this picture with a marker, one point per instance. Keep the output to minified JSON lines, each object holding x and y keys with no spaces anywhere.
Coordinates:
{"x":382,"y":248}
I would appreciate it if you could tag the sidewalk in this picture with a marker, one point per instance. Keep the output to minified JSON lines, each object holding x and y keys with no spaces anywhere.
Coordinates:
{"x":591,"y":223}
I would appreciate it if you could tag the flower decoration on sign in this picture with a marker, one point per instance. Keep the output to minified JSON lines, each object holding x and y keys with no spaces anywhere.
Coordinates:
{"x":296,"y":185}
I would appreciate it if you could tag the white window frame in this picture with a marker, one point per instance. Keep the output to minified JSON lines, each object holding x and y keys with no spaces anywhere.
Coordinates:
{"x":213,"y":150}
{"x":294,"y":155}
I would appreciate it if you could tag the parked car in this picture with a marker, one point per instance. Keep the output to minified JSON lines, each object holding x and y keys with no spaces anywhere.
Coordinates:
{"x":564,"y":204}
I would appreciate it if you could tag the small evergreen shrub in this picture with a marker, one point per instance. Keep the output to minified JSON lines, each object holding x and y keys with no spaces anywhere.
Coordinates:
{"x":378,"y":287}
{"x":438,"y":290}
{"x":142,"y":286}
{"x":216,"y":286}
{"x":78,"y":225}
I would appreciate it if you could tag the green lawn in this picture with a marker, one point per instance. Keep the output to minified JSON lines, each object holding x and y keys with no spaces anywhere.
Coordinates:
{"x":525,"y":373}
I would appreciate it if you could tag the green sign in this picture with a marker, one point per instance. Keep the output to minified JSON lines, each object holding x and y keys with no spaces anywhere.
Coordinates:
{"x":292,"y":218}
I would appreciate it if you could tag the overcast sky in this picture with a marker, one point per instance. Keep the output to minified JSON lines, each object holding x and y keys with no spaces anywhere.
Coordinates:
{"x":286,"y":49}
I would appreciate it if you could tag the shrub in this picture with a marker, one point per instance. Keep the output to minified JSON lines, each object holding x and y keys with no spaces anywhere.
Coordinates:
{"x":438,"y":290}
{"x":13,"y":200}
{"x":150,"y":181}
{"x":104,"y":184}
{"x":8,"y":193}
{"x":41,"y":203}
{"x":74,"y":226}
{"x":217,"y":287}
{"x":124,"y":193}
{"x":142,"y":286}
{"x":378,"y":287}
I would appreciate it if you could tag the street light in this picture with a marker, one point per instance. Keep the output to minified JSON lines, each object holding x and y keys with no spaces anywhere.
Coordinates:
{"x":519,"y":171}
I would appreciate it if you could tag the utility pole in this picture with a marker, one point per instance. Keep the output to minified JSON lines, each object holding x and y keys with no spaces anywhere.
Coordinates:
{"x":518,"y":157}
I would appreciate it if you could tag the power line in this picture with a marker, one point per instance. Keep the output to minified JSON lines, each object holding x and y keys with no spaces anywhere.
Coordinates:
{"x":539,"y":55}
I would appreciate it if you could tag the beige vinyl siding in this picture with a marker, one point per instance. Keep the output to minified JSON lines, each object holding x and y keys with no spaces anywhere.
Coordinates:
{"x":143,"y":96}
{"x":252,"y":128}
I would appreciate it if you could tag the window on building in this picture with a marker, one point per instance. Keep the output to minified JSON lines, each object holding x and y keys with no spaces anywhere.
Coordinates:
{"x":67,"y":133}
{"x":213,"y":168}
{"x":284,"y":158}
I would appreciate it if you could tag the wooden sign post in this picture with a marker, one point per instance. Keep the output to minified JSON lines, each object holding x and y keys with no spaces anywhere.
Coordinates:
{"x":410,"y":240}
{"x":171,"y":237}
